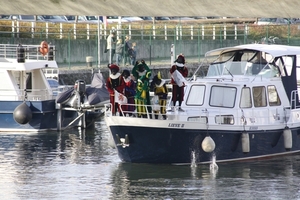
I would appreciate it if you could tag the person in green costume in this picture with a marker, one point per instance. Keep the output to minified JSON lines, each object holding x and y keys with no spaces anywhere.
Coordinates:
{"x":140,"y":69}
{"x":142,"y":97}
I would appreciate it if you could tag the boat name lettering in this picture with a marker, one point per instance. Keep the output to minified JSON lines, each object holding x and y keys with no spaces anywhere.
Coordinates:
{"x":176,"y":125}
{"x":253,"y":128}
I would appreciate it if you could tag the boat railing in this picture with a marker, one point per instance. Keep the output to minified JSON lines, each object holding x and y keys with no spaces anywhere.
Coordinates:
{"x":28,"y":94}
{"x":212,"y":116}
{"x":28,"y":52}
{"x":294,"y":103}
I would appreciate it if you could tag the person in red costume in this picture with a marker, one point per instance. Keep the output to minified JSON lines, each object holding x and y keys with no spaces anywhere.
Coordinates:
{"x":130,"y":87}
{"x":115,"y":82}
{"x":178,"y":91}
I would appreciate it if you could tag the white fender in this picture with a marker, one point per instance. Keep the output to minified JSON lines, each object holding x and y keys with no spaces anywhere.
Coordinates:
{"x":208,"y":144}
{"x":245,"y":142}
{"x":287,"y":138}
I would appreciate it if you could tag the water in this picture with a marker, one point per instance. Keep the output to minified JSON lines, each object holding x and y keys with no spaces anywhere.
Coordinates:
{"x":81,"y":165}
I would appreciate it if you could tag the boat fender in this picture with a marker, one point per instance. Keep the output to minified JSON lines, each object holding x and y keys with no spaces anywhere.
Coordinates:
{"x":44,"y":48}
{"x":245,"y":142}
{"x":208,"y":144}
{"x":22,"y":113}
{"x":287,"y":138}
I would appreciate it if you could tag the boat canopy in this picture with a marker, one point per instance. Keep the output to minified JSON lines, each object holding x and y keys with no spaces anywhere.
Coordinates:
{"x":273,"y":50}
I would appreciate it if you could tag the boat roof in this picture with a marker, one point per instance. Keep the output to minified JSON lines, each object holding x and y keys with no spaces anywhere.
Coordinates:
{"x":12,"y":64}
{"x":10,"y":57}
{"x":274,"y":49}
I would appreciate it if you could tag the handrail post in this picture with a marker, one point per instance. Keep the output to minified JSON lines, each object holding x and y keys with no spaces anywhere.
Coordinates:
{"x":69,"y":47}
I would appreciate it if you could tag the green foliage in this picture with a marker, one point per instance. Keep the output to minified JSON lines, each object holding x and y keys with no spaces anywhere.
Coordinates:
{"x":150,"y":31}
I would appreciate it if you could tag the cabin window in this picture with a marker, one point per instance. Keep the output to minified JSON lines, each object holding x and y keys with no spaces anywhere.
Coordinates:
{"x":259,"y":96}
{"x":246,"y":101}
{"x":196,"y":95}
{"x":273,"y":97}
{"x":222,"y":96}
{"x":224,"y":119}
{"x":201,"y":119}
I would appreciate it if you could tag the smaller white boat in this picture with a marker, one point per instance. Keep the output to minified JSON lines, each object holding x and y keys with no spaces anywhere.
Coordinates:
{"x":27,"y":102}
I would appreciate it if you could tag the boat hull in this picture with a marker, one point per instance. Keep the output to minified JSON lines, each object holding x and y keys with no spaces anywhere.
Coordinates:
{"x":44,"y":116}
{"x":184,"y":146}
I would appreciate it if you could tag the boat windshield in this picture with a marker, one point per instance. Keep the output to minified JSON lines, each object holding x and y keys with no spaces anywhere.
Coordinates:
{"x":227,"y":68}
{"x":243,"y":62}
{"x":242,"y":68}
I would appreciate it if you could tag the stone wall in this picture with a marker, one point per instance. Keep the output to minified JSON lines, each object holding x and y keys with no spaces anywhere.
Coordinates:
{"x":69,"y":77}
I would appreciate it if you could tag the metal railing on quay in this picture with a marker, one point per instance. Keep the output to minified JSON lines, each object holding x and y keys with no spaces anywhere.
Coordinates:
{"x":146,"y":31}
{"x":75,"y":42}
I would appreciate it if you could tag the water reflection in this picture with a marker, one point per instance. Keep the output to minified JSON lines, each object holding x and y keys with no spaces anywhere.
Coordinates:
{"x":56,"y":165}
{"x":239,"y":180}
{"x":78,"y":164}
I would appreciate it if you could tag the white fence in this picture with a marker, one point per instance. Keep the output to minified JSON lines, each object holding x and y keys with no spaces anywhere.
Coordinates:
{"x":88,"y":31}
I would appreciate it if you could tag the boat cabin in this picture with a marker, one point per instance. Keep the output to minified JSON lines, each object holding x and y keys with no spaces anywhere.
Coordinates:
{"x":23,"y":78}
{"x":243,"y":82}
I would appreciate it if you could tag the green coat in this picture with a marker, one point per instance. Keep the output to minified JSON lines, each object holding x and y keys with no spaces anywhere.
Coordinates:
{"x":138,"y":74}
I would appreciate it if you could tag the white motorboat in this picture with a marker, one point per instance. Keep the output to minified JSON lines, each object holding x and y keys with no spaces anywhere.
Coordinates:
{"x":242,"y":109}
{"x":27,"y":102}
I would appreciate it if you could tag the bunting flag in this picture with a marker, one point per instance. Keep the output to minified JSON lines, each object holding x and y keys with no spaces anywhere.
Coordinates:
{"x":104,"y":21}
{"x":120,"y":98}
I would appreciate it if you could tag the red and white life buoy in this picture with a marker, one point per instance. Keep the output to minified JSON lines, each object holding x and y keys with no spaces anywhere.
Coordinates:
{"x":44,"y":48}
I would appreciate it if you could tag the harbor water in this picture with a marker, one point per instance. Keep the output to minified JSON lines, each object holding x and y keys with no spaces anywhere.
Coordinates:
{"x":80,"y":164}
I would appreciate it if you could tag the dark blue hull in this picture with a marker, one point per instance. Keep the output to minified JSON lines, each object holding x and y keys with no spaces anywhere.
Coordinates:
{"x":44,"y":116}
{"x":181,"y":146}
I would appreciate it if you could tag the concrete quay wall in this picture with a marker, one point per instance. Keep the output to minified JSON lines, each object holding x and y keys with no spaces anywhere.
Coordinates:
{"x":68,"y":77}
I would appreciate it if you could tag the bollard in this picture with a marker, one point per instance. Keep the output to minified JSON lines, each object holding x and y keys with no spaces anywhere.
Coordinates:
{"x":89,"y":61}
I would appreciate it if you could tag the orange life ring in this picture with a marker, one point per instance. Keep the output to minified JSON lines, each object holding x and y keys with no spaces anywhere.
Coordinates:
{"x":44,"y":48}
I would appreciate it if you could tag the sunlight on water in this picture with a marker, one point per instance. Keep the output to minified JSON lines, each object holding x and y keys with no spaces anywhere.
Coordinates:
{"x":193,"y":164}
{"x":213,"y":166}
{"x":193,"y":160}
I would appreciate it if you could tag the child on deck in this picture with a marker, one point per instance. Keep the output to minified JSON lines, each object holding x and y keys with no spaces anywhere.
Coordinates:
{"x":130,"y":87}
{"x":160,"y":89}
